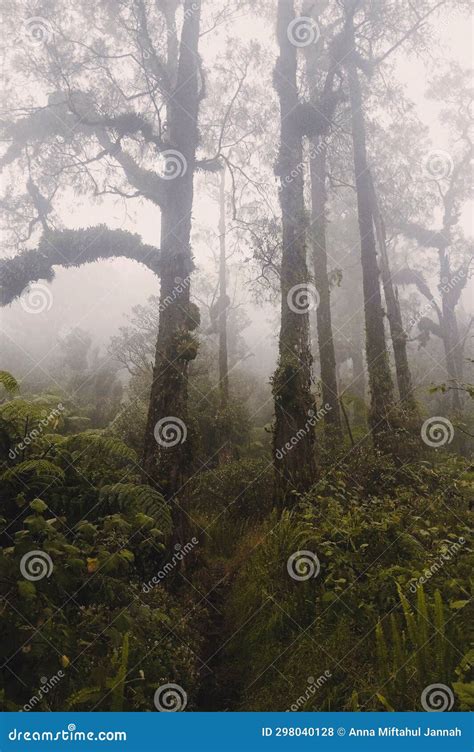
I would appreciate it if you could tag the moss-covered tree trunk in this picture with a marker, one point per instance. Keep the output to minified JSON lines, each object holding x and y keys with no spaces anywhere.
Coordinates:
{"x":380,"y":379}
{"x":166,"y":449}
{"x":293,"y":439}
{"x":323,"y":100}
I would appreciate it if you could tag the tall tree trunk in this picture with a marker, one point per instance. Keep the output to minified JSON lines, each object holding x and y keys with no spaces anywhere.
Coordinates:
{"x":226,"y":449}
{"x":399,"y":337}
{"x":327,"y":355}
{"x":380,"y":379}
{"x":223,"y":300}
{"x":293,"y":439}
{"x":324,"y":101}
{"x":166,"y":449}
{"x":358,"y":385}
{"x":452,"y":344}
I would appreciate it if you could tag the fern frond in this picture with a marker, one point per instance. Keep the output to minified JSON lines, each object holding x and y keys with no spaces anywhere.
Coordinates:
{"x":93,"y":443}
{"x":382,"y":651}
{"x":119,"y":680}
{"x":9,"y":382}
{"x":128,"y":497}
{"x":88,"y":694}
{"x":41,"y":469}
{"x":399,"y":659}
{"x":440,"y":640}
{"x":422,"y":628}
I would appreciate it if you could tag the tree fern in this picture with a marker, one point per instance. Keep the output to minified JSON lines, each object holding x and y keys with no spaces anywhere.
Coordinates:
{"x":24,"y":416}
{"x":19,"y":409}
{"x":95,"y":444}
{"x":127,"y":497}
{"x":9,"y":383}
{"x":43,"y":470}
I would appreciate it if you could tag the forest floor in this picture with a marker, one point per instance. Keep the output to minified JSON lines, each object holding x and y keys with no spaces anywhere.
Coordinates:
{"x":266,"y":638}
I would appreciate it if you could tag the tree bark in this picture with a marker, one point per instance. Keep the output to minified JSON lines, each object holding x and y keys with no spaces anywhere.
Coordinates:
{"x":223,"y":300}
{"x":399,"y":337}
{"x":358,"y":383}
{"x":332,"y":417}
{"x":324,"y":102}
{"x":293,"y":439}
{"x":226,"y":452}
{"x":452,"y":344}
{"x":380,"y":379}
{"x":167,"y":445}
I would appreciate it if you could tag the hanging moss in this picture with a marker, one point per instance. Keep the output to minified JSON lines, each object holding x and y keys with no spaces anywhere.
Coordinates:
{"x":193,"y":317}
{"x":185,"y":345}
{"x":71,"y":248}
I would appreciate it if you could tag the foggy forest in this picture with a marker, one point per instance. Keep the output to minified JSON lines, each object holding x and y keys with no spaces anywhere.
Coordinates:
{"x":236,"y":392}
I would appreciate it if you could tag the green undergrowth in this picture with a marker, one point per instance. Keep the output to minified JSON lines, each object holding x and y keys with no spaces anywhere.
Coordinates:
{"x":386,"y":614}
{"x":315,"y":644}
{"x":81,"y":537}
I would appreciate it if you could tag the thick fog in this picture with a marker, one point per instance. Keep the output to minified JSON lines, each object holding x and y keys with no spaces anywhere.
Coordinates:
{"x":98,"y":297}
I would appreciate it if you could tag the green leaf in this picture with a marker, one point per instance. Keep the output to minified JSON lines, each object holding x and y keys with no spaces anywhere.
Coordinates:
{"x":385,"y":703}
{"x":465,"y":692}
{"x":27,"y":590}
{"x":37,"y":505}
{"x":8,"y":382}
